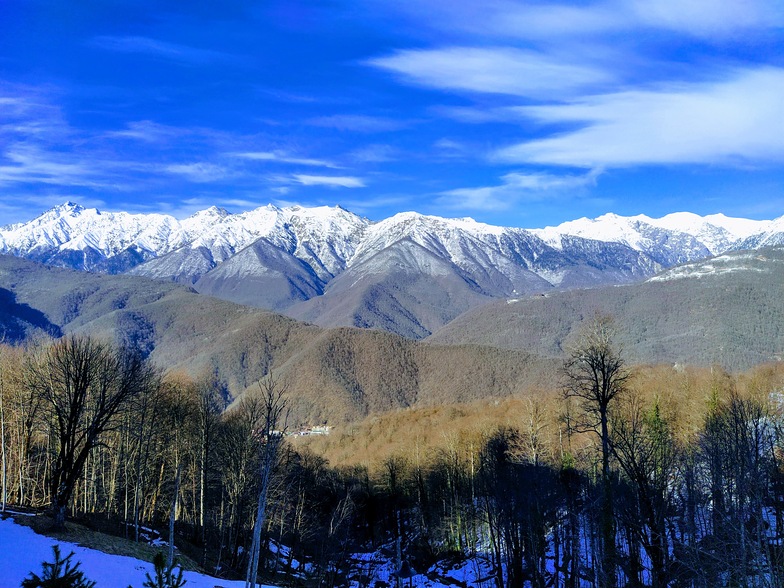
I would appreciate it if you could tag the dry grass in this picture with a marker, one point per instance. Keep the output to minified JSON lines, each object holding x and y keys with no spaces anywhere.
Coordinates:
{"x":84,"y":536}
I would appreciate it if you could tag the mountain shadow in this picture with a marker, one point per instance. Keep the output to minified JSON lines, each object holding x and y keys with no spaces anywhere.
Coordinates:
{"x":19,"y":321}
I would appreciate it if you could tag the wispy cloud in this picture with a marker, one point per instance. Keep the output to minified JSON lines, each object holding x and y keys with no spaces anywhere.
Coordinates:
{"x":374,"y":204}
{"x":707,"y":18}
{"x":515,"y":188}
{"x":377,"y":153}
{"x":199,"y":172}
{"x":148,"y":131}
{"x":282,"y":157}
{"x":735,"y":121}
{"x":451,"y":148}
{"x":28,"y":114}
{"x":476,"y":114}
{"x":329,"y":181}
{"x":39,"y":149}
{"x":161,"y":49}
{"x":184,"y":207}
{"x":359,"y":123}
{"x":31,"y":165}
{"x":550,"y":21}
{"x":289,"y":97}
{"x":500,"y":70}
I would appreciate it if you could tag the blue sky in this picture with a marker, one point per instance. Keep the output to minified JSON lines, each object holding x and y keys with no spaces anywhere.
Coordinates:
{"x":516,"y":113}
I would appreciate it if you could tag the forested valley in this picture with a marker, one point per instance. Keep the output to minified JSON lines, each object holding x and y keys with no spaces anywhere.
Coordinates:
{"x":618,"y":475}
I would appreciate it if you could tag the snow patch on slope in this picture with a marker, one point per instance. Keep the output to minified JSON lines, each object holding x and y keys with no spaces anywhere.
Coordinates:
{"x":724,"y":264}
{"x":23,"y":551}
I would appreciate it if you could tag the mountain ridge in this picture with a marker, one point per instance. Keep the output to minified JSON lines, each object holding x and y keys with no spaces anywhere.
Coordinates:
{"x":303,"y":261}
{"x":337,"y":375}
{"x":725,"y":310}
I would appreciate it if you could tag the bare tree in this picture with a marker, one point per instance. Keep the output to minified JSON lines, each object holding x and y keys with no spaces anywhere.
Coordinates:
{"x":645,"y":447}
{"x":3,"y":378}
{"x":210,"y":406}
{"x":595,"y":374}
{"x":274,"y":404}
{"x":83,"y":384}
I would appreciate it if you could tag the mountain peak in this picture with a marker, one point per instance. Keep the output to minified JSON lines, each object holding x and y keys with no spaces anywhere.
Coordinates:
{"x":211,"y":212}
{"x":67,"y":207}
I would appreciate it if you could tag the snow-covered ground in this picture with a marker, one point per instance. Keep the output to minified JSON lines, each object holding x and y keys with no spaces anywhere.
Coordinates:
{"x":23,"y":551}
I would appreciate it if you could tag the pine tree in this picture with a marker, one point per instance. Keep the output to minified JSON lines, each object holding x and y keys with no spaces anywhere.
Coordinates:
{"x":165,"y":576}
{"x":58,"y":574}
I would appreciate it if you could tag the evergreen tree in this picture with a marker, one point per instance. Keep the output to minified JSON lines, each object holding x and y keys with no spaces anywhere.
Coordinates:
{"x":165,"y":576}
{"x":58,"y":574}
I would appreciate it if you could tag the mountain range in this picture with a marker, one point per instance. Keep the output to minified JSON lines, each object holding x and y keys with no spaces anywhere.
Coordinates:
{"x":726,"y":311}
{"x":410,"y":274}
{"x":336,"y":375}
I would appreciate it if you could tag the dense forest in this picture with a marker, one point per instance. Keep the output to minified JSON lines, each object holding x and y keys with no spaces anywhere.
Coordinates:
{"x":618,"y":476}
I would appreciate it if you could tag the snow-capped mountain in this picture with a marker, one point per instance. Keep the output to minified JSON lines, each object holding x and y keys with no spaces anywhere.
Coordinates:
{"x":323,"y":238}
{"x":770,"y":236}
{"x":88,"y":239}
{"x":328,"y":262}
{"x":672,"y":239}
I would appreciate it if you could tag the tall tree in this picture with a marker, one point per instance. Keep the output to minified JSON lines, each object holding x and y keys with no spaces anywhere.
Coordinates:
{"x":274,"y":404}
{"x":595,"y":374}
{"x":644,"y":445}
{"x":83,"y":384}
{"x":210,"y":405}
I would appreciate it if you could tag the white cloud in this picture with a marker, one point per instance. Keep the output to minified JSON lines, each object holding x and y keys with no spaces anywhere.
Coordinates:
{"x":148,"y":132}
{"x":377,"y":153}
{"x":501,"y":70}
{"x":516,"y":187}
{"x":475,"y":114}
{"x":449,"y":148}
{"x":171,"y":51}
{"x":359,"y":123}
{"x":548,"y":21}
{"x":32,"y":165}
{"x":329,"y":181}
{"x":199,"y":172}
{"x":707,"y":18}
{"x":27,"y":113}
{"x":545,"y":20}
{"x":282,"y":157}
{"x":736,"y":121}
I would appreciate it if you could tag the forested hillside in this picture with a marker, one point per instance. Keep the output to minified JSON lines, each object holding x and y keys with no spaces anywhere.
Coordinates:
{"x":725,"y":311}
{"x":611,"y":476}
{"x":336,"y":374}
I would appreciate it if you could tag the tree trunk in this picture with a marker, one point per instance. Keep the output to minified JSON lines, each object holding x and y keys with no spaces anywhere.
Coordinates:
{"x":2,"y":440}
{"x":607,"y":521}
{"x":173,"y":515}
{"x":270,"y":453}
